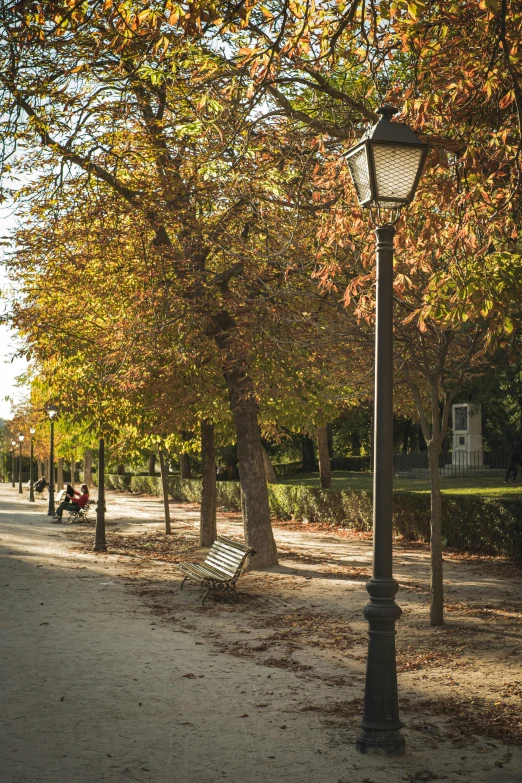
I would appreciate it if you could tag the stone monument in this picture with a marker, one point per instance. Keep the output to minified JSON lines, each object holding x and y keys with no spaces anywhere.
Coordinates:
{"x":467,"y":435}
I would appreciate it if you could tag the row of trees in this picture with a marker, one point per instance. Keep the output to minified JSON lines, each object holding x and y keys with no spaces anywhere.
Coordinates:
{"x":190,"y":255}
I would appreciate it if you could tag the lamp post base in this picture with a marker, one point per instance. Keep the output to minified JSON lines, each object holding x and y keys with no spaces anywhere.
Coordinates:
{"x":99,"y":546}
{"x":380,"y":725}
{"x":383,"y":743}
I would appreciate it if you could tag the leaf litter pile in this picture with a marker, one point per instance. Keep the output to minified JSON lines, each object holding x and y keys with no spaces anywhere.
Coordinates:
{"x":451,"y":673}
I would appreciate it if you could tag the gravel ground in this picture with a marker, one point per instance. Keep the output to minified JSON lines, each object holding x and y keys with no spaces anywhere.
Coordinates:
{"x":108,"y":675}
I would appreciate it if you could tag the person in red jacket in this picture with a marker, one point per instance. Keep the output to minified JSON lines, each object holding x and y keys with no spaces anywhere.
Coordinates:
{"x":73,"y":503}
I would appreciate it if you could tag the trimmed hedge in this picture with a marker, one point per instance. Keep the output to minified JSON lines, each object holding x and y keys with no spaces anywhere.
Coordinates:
{"x":475,"y":524}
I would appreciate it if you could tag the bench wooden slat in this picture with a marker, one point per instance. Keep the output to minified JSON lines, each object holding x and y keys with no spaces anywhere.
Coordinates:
{"x":231,"y":572}
{"x":200,"y":571}
{"x":203,"y":571}
{"x":228,"y":558}
{"x":232,"y":562}
{"x":226,"y":548}
{"x":233,"y":544}
{"x":222,"y":565}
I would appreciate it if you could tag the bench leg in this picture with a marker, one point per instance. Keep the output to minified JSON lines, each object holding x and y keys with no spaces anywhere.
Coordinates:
{"x":181,"y":585}
{"x":203,"y":599}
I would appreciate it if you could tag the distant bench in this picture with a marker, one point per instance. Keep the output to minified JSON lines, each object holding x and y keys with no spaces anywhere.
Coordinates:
{"x":221,"y":568}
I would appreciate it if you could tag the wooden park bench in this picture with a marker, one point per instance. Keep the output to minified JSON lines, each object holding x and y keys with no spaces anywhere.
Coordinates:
{"x":80,"y":514}
{"x":221,"y":568}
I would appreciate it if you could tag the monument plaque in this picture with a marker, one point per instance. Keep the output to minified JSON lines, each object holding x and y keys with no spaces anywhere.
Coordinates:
{"x":467,"y":435}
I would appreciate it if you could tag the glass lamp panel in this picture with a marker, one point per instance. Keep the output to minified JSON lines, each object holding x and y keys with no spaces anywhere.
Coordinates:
{"x":396,"y":169}
{"x":358,"y":165}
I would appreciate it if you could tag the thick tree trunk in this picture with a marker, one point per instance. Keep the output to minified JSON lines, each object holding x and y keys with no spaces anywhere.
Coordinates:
{"x":325,"y":472}
{"x":165,"y":489}
{"x":437,"y":583}
{"x":208,"y":526}
{"x":87,"y":467}
{"x":59,"y":475}
{"x":120,"y":469}
{"x":232,"y":471}
{"x":355,"y":443}
{"x":254,"y":490}
{"x":73,"y":470}
{"x":184,"y":465}
{"x":270,"y":473}
{"x":152,"y":463}
{"x":307,"y":447}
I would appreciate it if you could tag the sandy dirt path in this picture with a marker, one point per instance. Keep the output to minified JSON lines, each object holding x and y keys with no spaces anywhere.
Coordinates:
{"x":107,"y":676}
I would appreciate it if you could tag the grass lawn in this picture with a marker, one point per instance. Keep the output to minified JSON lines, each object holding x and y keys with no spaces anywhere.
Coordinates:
{"x":486,"y":486}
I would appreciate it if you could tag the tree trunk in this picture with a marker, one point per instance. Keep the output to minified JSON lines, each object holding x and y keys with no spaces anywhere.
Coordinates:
{"x":406,"y":436}
{"x":355,"y":443}
{"x":325,"y":472}
{"x":437,"y":584}
{"x":59,"y":475}
{"x":120,"y":469}
{"x":232,"y":471}
{"x":208,"y":526}
{"x":87,"y":467}
{"x":165,"y":489}
{"x":152,"y":463}
{"x":39,"y":468}
{"x":270,"y":473}
{"x":307,"y":447}
{"x":184,"y":465}
{"x":254,"y":490}
{"x":73,"y":470}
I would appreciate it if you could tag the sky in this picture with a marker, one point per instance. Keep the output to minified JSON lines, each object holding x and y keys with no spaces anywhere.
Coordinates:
{"x":9,"y":368}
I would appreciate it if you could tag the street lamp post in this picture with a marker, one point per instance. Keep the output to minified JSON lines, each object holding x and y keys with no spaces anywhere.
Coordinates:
{"x":20,"y":489}
{"x":51,"y":412}
{"x":13,"y":444}
{"x":386,"y":167}
{"x":100,"y":543}
{"x":31,"y":488}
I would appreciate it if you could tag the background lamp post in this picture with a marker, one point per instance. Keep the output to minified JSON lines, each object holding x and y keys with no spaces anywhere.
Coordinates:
{"x":386,"y":167}
{"x":31,"y":489}
{"x":100,"y":542}
{"x":51,"y":412}
{"x":20,"y":489}
{"x":13,"y":444}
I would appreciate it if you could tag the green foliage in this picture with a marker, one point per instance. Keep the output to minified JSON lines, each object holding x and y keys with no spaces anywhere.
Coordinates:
{"x":490,"y":526}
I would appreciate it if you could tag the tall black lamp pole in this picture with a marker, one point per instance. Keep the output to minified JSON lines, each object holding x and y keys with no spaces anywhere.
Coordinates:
{"x":100,"y":543}
{"x":31,"y":488}
{"x":386,"y":167}
{"x":21,"y":440}
{"x":51,"y":412}
{"x":13,"y":444}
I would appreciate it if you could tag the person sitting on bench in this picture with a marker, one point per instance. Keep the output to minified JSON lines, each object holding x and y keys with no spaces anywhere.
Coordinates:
{"x":72,"y":503}
{"x":40,"y":485}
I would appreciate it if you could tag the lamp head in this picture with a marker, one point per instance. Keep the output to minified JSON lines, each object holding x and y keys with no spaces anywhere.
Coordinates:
{"x":13,"y":443}
{"x":32,"y":430}
{"x":386,"y":165}
{"x":21,"y":437}
{"x":52,"y":411}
